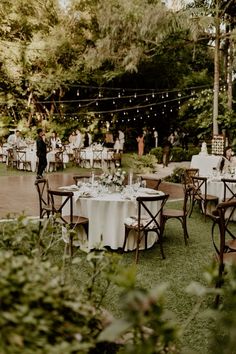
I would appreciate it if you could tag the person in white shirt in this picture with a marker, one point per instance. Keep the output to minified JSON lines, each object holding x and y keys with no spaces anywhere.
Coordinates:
{"x":155,"y":135}
{"x":121,"y":138}
{"x":79,"y":139}
{"x":117,"y":146}
{"x":55,"y":141}
{"x":14,"y":140}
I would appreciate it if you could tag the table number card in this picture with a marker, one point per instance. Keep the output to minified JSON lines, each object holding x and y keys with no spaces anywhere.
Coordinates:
{"x":217,"y":145}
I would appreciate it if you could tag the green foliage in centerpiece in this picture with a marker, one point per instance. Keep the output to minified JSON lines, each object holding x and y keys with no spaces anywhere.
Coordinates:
{"x":113,"y":178}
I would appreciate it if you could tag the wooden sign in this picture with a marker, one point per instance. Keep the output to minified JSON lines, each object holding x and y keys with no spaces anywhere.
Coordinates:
{"x":217,"y":145}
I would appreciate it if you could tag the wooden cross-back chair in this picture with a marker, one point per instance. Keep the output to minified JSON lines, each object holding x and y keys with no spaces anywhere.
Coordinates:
{"x":81,"y":178}
{"x":229,"y":189}
{"x":224,"y":237}
{"x":44,"y":205}
{"x":180,"y":214}
{"x":11,"y":158}
{"x":147,"y":221}
{"x":151,"y":182}
{"x":188,"y":174}
{"x":22,"y":162}
{"x":97,"y":158}
{"x":199,"y":194}
{"x":62,"y":209}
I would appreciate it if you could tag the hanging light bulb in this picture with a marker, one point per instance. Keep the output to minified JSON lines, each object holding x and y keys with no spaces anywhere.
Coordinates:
{"x":146,"y":99}
{"x":99,"y":94}
{"x":114,"y":102}
{"x":96,"y":103}
{"x":150,"y":108}
{"x":137,"y":110}
{"x":119,"y":94}
{"x":77,"y":93}
{"x":153,"y":95}
{"x":135,"y":95}
{"x":130,"y":100}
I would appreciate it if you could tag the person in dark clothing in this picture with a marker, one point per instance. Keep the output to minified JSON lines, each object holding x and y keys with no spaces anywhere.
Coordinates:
{"x":41,"y":153}
{"x":166,"y":148}
{"x":86,"y":140}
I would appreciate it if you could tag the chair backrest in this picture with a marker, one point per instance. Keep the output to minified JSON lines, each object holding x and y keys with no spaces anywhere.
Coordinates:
{"x":59,"y":157}
{"x":110,"y":153}
{"x":154,"y":218}
{"x":229,"y":189}
{"x":199,"y":187}
{"x":42,"y":189}
{"x":223,"y":217}
{"x":97,"y":155}
{"x":11,"y":155}
{"x":62,"y":204}
{"x":81,"y":178}
{"x":151,"y":182}
{"x":189,"y":173}
{"x":21,"y":156}
{"x":82,"y":154}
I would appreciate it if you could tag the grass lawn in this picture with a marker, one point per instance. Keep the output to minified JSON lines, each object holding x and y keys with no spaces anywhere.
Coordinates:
{"x":182,"y":265}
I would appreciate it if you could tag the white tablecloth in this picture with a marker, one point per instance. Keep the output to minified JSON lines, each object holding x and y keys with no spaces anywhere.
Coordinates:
{"x":205,"y":163}
{"x":106,"y":214}
{"x":216,"y":187}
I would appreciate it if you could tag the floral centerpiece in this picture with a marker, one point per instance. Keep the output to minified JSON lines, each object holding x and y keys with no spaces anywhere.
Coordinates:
{"x":113,"y":179}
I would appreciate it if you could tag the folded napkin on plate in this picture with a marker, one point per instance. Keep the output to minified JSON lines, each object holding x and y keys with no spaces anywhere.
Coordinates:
{"x":149,"y":191}
{"x":71,"y":188}
{"x":133,"y":221}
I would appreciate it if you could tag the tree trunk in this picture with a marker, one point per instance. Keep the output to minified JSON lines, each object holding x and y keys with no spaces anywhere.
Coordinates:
{"x":230,"y":72}
{"x":216,"y":72}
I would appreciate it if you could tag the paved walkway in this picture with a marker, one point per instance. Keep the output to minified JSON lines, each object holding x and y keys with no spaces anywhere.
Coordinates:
{"x":18,"y":193}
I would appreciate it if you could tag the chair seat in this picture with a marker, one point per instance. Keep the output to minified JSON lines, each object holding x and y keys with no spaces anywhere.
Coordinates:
{"x":230,"y":200}
{"x":208,"y":197}
{"x":132,"y":223}
{"x":173,"y":213}
{"x":231,"y":244}
{"x":229,"y":257}
{"x":76,"y":220}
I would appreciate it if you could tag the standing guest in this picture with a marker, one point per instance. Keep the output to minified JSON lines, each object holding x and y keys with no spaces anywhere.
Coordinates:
{"x":72,"y":138}
{"x":117,"y":145}
{"x":166,"y":147}
{"x":148,"y":143}
{"x":14,"y":140}
{"x":121,"y":137}
{"x":90,"y":138}
{"x":140,"y":140}
{"x":79,"y":139}
{"x":155,"y":135}
{"x":109,"y":140}
{"x":55,"y":141}
{"x":86,"y":139}
{"x":41,"y":153}
{"x":171,"y":138}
